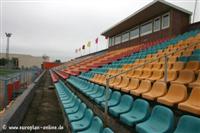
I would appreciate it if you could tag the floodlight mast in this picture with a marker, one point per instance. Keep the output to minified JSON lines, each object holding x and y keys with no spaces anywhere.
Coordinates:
{"x":8,"y":35}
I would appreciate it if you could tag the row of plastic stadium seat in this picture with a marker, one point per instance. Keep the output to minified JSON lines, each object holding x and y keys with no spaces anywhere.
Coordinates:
{"x":137,"y":113}
{"x":81,"y":118}
{"x":54,"y":77}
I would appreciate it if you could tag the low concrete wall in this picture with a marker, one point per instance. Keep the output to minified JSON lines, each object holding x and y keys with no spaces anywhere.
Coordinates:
{"x":15,"y":114}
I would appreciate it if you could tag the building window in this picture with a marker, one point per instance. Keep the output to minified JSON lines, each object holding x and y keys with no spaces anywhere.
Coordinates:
{"x":125,"y":37}
{"x":146,"y":28}
{"x":156,"y":24}
{"x":165,"y":21}
{"x":117,"y":40}
{"x":134,"y":33}
{"x":110,"y":42}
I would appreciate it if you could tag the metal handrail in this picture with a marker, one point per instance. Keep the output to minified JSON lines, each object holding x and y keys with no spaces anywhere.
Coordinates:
{"x":133,"y":68}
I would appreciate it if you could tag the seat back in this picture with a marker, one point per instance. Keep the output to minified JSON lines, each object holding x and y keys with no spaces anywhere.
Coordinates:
{"x":177,"y":66}
{"x":188,"y":124}
{"x":116,"y":95}
{"x":194,"y":98}
{"x":159,"y":88}
{"x":172,"y":75}
{"x":177,"y":92}
{"x":96,"y":125}
{"x":82,"y":107}
{"x":107,"y":130}
{"x":126,"y":101}
{"x":137,"y":73}
{"x":134,"y":83}
{"x":163,"y":117}
{"x":192,"y":65}
{"x":157,"y":74}
{"x":141,"y":106}
{"x":145,"y":85}
{"x":186,"y":75}
{"x":88,"y":115}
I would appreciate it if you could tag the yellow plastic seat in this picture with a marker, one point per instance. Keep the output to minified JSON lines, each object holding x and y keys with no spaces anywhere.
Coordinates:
{"x":157,"y":74}
{"x":196,"y":83}
{"x":137,"y":73}
{"x":158,"y":89}
{"x":177,"y":93}
{"x":144,"y":86}
{"x":124,"y":83}
{"x":177,"y":66}
{"x":116,"y":82}
{"x":133,"y":84}
{"x":185,"y":77}
{"x":146,"y":74}
{"x":192,"y":104}
{"x":171,"y":76}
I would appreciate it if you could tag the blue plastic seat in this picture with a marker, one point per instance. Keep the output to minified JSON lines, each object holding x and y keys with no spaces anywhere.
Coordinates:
{"x":95,"y":127}
{"x":123,"y":106}
{"x":73,"y":109}
{"x":160,"y":121}
{"x":138,"y":113}
{"x":188,"y":124}
{"x":83,"y":123}
{"x":107,"y":130}
{"x":114,"y":99}
{"x":98,"y":94}
{"x":98,"y":100}
{"x":79,"y":114}
{"x":72,"y":104}
{"x":183,"y":58}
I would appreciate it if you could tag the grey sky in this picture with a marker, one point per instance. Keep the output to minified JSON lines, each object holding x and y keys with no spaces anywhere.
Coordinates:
{"x":57,"y":27}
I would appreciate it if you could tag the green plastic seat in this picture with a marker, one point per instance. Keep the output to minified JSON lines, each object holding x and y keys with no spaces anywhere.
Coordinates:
{"x":83,"y":123}
{"x":123,"y":106}
{"x":114,"y":99}
{"x":188,"y":124}
{"x":139,"y":112}
{"x":95,"y":127}
{"x":160,"y":121}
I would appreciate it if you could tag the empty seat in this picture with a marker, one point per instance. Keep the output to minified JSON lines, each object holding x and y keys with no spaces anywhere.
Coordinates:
{"x":185,"y":77}
{"x":144,"y":86}
{"x":114,"y":99}
{"x":123,"y":106}
{"x":177,"y":66}
{"x":192,"y":104}
{"x":138,"y":113}
{"x":159,"y":88}
{"x":196,"y":83}
{"x":160,"y":121}
{"x":133,"y":84}
{"x":98,"y":100}
{"x":172,"y":59}
{"x":156,"y":66}
{"x":117,"y":81}
{"x":124,"y":83}
{"x":157,"y":74}
{"x":192,"y":65}
{"x":137,"y":73}
{"x":188,"y":124}
{"x":146,"y":74}
{"x":83,"y":123}
{"x":95,"y":127}
{"x":171,"y":76}
{"x":78,"y":115}
{"x":176,"y":94}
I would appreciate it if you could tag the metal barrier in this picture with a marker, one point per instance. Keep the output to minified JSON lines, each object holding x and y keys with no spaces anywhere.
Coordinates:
{"x":133,"y":68}
{"x":12,"y":83}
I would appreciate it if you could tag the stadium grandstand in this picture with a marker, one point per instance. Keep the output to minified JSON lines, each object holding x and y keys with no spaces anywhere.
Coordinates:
{"x":147,"y":81}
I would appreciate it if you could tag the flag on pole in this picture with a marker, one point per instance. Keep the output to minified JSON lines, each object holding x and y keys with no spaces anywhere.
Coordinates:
{"x":89,"y":44}
{"x":97,"y":40}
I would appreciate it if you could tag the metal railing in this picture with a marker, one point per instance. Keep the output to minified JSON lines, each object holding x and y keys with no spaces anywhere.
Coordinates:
{"x":138,"y":66}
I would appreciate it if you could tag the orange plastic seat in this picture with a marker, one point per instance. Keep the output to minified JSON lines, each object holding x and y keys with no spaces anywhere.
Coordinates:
{"x":144,"y":86}
{"x":192,"y":104}
{"x":196,"y":83}
{"x":169,"y":66}
{"x":156,"y":66}
{"x":137,"y":73}
{"x":171,"y":76}
{"x":192,"y":65}
{"x":177,"y":66}
{"x":130,"y":73}
{"x":146,"y":74}
{"x":187,"y":53}
{"x":147,"y":66}
{"x":133,"y":84}
{"x":177,"y":93}
{"x":158,"y":89}
{"x":116,"y":82}
{"x":172,"y":59}
{"x":124,"y":83}
{"x":157,"y":74}
{"x":185,"y":77}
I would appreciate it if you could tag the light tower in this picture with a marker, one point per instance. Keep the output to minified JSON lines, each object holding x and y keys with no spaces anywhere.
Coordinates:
{"x":8,"y":35}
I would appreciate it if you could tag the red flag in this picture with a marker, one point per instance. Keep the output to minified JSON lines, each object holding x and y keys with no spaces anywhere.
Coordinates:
{"x":96,"y":41}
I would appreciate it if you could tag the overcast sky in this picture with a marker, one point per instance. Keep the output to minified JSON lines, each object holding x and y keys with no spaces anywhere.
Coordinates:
{"x":58,"y":27}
